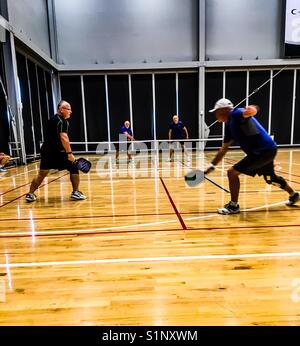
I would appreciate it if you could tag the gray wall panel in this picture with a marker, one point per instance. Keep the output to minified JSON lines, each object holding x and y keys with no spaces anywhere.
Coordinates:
{"x":31,"y":17}
{"x":244,"y":28}
{"x":126,"y":31}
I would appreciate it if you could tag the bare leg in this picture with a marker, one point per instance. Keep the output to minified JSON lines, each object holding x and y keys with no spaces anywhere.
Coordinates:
{"x":289,"y":190}
{"x":234,"y":184}
{"x":75,"y":181}
{"x":171,"y":153}
{"x":37,"y":181}
{"x":4,"y":160}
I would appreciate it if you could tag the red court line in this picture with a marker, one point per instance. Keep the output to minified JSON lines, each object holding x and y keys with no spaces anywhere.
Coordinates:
{"x":29,"y":235}
{"x":173,"y":205}
{"x":295,"y":208}
{"x":16,"y":188}
{"x":24,"y":194}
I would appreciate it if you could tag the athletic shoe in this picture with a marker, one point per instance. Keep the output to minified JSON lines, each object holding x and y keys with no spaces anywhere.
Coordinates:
{"x":77,"y":195}
{"x":293,"y":199}
{"x":30,"y":197}
{"x":3,"y":170}
{"x":229,"y":209}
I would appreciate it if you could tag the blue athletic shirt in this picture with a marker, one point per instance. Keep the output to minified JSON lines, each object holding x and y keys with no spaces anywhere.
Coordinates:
{"x":124,"y":129}
{"x":248,"y":132}
{"x":177,"y":130}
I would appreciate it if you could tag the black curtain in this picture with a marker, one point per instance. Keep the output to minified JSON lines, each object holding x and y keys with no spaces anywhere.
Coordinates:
{"x":95,"y":107}
{"x":118,"y":95}
{"x":297,"y":112}
{"x":188,"y":102}
{"x":4,"y":127}
{"x":142,"y":105}
{"x":213,"y":92}
{"x":71,"y":92}
{"x":43,"y":97}
{"x":262,"y":97}
{"x":165,"y":95}
{"x":35,"y":104}
{"x":282,"y":101}
{"x":49,"y":92}
{"x":26,"y":110}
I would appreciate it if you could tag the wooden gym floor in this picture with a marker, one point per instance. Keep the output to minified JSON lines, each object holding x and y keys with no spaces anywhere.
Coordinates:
{"x":148,"y":250}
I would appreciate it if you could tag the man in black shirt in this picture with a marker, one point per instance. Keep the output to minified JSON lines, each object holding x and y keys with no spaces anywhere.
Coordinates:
{"x":56,"y":153}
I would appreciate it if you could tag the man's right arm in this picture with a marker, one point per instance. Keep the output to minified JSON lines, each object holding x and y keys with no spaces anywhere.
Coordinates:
{"x":170,"y":134}
{"x":67,"y":146}
{"x":220,"y":154}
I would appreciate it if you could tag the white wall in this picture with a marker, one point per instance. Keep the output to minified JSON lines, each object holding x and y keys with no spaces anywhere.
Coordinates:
{"x":243,"y":28}
{"x":126,"y":31}
{"x":31,"y":17}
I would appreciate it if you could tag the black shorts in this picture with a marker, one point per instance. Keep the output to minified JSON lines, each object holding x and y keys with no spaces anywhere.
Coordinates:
{"x":56,"y":160}
{"x":175,"y":140}
{"x":124,"y":146}
{"x":257,"y":164}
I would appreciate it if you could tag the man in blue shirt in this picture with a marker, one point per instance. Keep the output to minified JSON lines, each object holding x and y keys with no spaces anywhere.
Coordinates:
{"x":125,"y":134}
{"x":260,"y":149}
{"x":177,"y":132}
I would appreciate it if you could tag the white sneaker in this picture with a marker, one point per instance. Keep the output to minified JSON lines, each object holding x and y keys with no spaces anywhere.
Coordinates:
{"x":3,"y":170}
{"x":78,"y":196}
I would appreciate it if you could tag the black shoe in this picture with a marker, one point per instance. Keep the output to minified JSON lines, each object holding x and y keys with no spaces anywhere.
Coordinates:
{"x":229,"y":209}
{"x":30,"y":197}
{"x":293,"y":199}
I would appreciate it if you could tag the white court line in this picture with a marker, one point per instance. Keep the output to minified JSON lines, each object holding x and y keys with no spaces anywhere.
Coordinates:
{"x":95,"y":230}
{"x":152,"y":259}
{"x":82,"y":231}
{"x":267,"y":206}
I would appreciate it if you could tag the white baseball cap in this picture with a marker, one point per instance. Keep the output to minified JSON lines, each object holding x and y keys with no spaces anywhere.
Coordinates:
{"x":222,"y":103}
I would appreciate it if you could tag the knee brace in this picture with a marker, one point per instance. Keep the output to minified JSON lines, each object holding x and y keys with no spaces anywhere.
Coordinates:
{"x":276,"y":181}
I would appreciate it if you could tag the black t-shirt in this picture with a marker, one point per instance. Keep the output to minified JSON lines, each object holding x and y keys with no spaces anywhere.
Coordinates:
{"x":55,"y":126}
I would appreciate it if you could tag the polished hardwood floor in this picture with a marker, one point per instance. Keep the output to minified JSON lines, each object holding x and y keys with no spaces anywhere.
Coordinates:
{"x":146,"y":249}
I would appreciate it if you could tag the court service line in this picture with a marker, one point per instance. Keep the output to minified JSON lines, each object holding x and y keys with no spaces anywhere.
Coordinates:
{"x":17,"y":175}
{"x":95,"y":230}
{"x":152,"y":259}
{"x":183,"y":225}
{"x":83,"y":231}
{"x":16,"y":188}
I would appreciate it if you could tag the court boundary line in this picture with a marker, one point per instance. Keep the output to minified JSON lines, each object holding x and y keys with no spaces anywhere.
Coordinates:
{"x":152,"y":259}
{"x":78,"y":232}
{"x":24,"y":194}
{"x":196,"y":229}
{"x":293,"y":208}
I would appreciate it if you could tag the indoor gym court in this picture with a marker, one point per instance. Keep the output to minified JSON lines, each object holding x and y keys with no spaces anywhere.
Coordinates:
{"x":145,"y":248}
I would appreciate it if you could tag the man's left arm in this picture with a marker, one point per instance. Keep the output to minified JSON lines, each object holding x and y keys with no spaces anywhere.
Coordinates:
{"x":250,"y":111}
{"x":186,"y":132}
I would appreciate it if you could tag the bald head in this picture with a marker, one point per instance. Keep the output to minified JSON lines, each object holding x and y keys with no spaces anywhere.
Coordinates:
{"x":175,"y":119}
